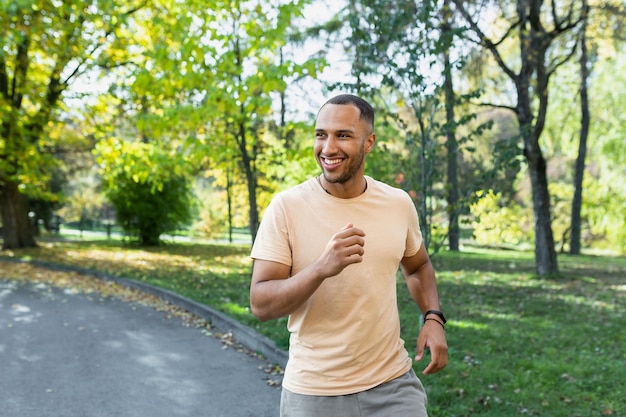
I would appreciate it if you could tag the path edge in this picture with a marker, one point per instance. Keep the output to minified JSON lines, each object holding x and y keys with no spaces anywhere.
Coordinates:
{"x":243,"y":334}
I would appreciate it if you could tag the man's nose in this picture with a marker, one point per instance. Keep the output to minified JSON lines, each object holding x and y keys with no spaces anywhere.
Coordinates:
{"x":330,"y":145}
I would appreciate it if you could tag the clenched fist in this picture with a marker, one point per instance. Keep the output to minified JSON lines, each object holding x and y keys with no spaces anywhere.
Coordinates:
{"x":343,"y":249}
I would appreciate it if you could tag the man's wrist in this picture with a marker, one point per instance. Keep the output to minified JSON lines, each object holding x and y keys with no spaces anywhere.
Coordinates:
{"x":435,"y":320}
{"x":437,"y":313}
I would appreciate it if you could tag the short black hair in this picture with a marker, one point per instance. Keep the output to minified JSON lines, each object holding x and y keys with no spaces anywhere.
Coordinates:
{"x":366,"y":109}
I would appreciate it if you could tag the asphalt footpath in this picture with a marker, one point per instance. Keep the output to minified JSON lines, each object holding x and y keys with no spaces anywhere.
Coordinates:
{"x":66,"y":354}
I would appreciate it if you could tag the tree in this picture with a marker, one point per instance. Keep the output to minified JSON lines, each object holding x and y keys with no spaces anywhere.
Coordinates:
{"x":404,"y":48}
{"x":608,"y":22}
{"x":46,"y":45}
{"x":147,"y":213}
{"x":600,"y":226}
{"x":147,"y":187}
{"x":205,"y":80}
{"x":579,"y":172}
{"x":249,"y":72}
{"x":84,"y":201}
{"x":452,"y":146}
{"x":537,"y":30}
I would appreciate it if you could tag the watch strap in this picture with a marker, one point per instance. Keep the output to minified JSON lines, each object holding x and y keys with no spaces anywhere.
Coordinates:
{"x":436,"y":313}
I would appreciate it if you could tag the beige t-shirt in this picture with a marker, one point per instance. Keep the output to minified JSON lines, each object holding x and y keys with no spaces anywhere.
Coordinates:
{"x":346,"y":337}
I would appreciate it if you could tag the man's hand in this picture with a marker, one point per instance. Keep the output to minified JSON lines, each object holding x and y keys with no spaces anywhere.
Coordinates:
{"x":343,"y":249}
{"x":432,"y":337}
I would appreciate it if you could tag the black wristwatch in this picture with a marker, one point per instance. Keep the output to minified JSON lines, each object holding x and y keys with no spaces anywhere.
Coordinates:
{"x":436,"y":313}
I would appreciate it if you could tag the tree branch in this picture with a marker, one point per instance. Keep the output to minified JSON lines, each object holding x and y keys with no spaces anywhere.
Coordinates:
{"x":496,"y":106}
{"x":86,"y":57}
{"x":555,"y":17}
{"x":485,"y":40}
{"x":559,"y":26}
{"x":563,"y":60}
{"x":508,"y":32}
{"x":4,"y":77}
{"x":21,"y":71}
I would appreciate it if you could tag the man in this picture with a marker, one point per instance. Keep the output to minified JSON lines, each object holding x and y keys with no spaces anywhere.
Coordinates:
{"x":326,"y":254}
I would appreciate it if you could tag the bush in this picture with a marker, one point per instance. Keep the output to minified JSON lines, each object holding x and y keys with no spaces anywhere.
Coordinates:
{"x":147,"y":213}
{"x":496,"y":224}
{"x":148,"y":187}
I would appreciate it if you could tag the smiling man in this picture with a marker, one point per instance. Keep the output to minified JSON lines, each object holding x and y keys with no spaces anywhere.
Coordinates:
{"x":326,"y":255}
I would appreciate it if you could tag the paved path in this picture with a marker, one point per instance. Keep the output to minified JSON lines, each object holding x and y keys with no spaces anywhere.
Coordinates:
{"x":64,"y":354}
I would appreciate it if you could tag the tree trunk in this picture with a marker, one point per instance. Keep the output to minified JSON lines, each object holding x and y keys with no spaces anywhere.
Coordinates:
{"x":545,"y":253}
{"x":254,"y":210}
{"x":425,"y":188}
{"x":17,"y":230}
{"x":229,"y":200}
{"x":534,"y":43}
{"x":452,"y":150}
{"x":577,"y":200}
{"x":248,"y":160}
{"x":248,"y":166}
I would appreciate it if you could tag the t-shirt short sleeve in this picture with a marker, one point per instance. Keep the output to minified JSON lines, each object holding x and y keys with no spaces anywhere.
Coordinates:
{"x":272,"y":239}
{"x":414,"y":234}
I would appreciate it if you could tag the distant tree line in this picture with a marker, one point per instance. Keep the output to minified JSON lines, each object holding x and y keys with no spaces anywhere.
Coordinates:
{"x":498,"y":118}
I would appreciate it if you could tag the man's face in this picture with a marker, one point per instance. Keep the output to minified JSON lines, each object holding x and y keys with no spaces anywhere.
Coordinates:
{"x":342,"y":140}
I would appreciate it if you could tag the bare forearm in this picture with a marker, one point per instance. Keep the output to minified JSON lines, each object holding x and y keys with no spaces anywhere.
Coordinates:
{"x":273,"y":293}
{"x":271,"y":299}
{"x":420,"y":279}
{"x":423,"y":288}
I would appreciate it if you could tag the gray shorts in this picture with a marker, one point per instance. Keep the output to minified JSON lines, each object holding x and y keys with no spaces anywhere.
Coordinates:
{"x":403,"y":396}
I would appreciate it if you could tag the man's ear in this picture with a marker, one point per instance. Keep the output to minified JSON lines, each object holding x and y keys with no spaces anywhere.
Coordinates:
{"x":370,"y":142}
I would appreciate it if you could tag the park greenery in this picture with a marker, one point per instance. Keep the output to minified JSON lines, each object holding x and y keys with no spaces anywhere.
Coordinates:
{"x":502,"y":120}
{"x":519,"y":344}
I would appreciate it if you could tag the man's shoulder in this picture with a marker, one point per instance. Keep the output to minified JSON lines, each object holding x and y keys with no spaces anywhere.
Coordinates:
{"x":383,"y":188}
{"x":297,"y":193}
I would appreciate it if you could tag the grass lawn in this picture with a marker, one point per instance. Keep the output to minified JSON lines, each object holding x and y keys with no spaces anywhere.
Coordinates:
{"x":519,"y":345}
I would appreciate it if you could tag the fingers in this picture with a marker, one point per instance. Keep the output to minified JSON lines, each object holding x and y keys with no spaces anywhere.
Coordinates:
{"x":349,"y":230}
{"x":346,"y":247}
{"x":419,"y":352}
{"x":349,"y":242}
{"x":434,"y":366}
{"x":434,"y":340}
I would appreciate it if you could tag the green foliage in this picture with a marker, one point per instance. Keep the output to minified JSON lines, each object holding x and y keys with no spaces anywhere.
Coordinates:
{"x":518,"y":345}
{"x":147,"y":213}
{"x":603,"y":215}
{"x":496,"y":224}
{"x":604,"y":191}
{"x":498,"y":221}
{"x":212,"y":211}
{"x":204,"y":84}
{"x":44,"y":47}
{"x":84,"y":204}
{"x":230,"y":63}
{"x":148,"y":188}
{"x":491,"y":155}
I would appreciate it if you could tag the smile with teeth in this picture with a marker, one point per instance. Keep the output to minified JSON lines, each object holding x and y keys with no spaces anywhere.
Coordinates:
{"x":332,"y":161}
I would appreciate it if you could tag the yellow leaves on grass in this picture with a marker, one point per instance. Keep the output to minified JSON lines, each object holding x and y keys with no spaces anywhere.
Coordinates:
{"x":87,"y":284}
